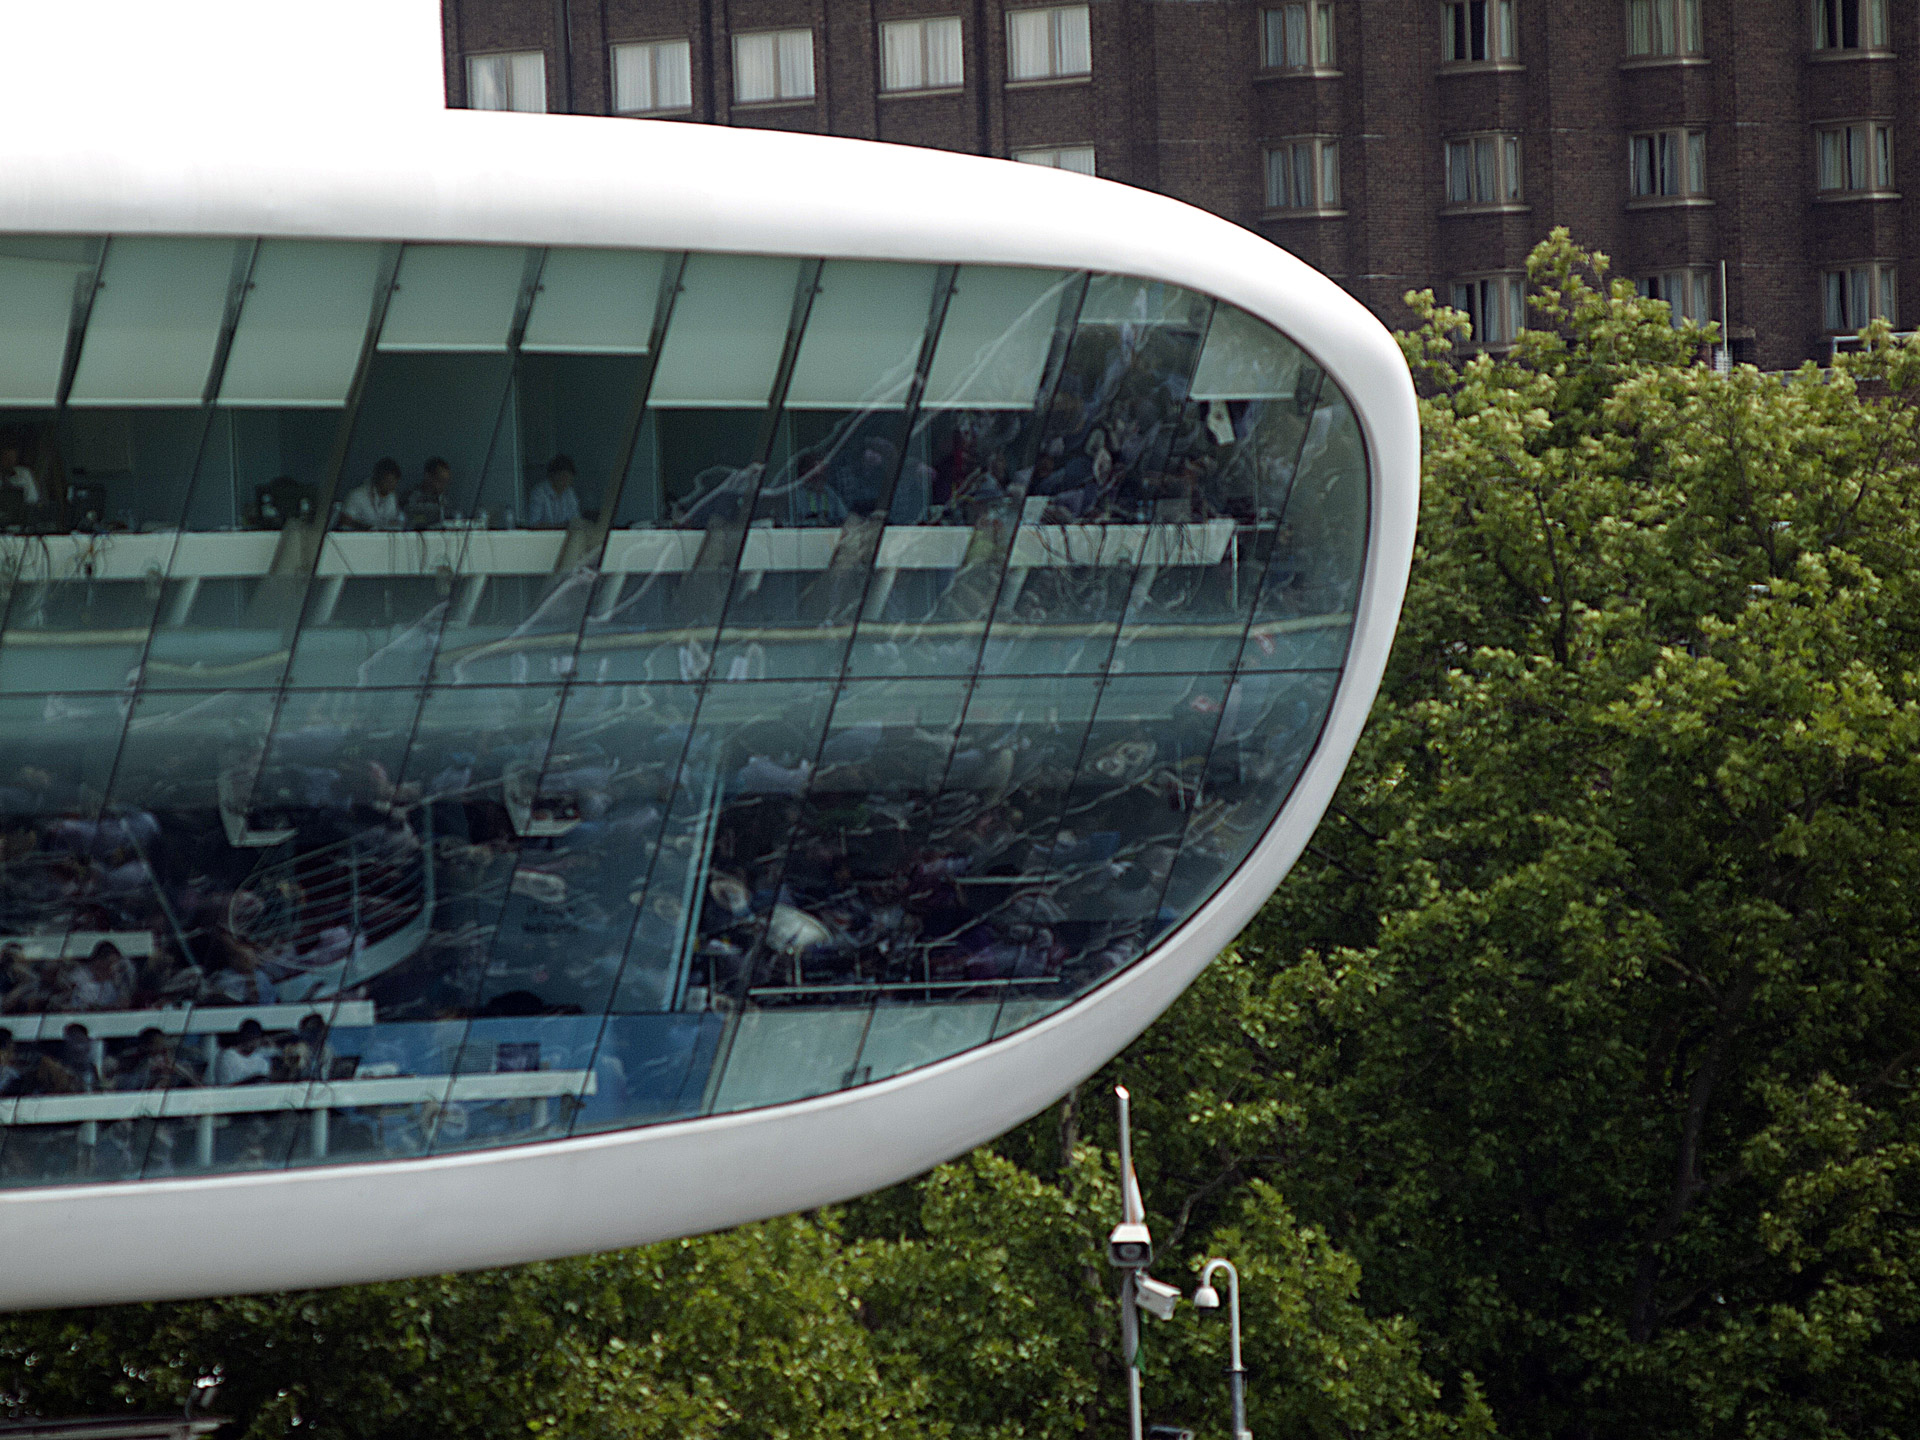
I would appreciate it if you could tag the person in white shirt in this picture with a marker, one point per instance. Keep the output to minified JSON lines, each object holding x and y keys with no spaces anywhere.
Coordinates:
{"x":376,"y":504}
{"x":248,"y":1061}
{"x":16,"y":475}
{"x":554,"y":504}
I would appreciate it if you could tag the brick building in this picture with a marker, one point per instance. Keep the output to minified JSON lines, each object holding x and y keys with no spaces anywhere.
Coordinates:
{"x":1394,"y":144}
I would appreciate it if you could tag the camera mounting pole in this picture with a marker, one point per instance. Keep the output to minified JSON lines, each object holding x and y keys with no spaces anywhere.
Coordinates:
{"x":1132,"y":1212}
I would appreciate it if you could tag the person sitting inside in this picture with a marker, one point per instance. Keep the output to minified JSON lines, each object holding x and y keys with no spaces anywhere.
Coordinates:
{"x":14,"y":1067}
{"x":553,"y":505}
{"x":154,"y":1065}
{"x":19,"y":492}
{"x":240,"y":980}
{"x":374,"y":505}
{"x":248,"y":1061}
{"x":430,"y":503}
{"x":105,"y":982}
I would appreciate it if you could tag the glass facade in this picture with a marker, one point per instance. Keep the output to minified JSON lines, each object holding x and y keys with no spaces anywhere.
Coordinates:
{"x":457,"y":696}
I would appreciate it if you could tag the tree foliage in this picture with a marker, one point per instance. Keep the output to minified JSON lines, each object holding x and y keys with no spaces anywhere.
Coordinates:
{"x":1564,"y":1091}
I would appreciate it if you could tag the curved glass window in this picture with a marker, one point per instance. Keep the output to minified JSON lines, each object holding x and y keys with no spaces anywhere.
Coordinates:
{"x":458,"y":696}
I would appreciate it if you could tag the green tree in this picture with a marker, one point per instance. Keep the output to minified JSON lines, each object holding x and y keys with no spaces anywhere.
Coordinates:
{"x":1588,"y":1027}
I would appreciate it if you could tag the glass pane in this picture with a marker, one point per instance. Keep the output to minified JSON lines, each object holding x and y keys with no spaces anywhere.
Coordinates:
{"x":863,"y":337}
{"x":303,"y":324}
{"x":595,"y":302}
{"x":453,"y":297}
{"x":589,"y":820}
{"x":649,"y":1068}
{"x":1115,"y":462}
{"x":381,"y":598}
{"x":79,"y":606}
{"x":729,"y":325}
{"x":1305,"y":610}
{"x":155,"y":322}
{"x":37,"y":282}
{"x":994,"y":341}
{"x":1122,"y":825}
{"x":1267,"y":727}
{"x":716,"y":919}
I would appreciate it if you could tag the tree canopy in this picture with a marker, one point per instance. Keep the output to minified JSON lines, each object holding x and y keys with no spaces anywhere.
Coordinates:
{"x":1565,"y":1090}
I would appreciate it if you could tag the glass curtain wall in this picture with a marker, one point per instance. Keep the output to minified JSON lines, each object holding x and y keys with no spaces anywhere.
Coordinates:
{"x":459,"y":696}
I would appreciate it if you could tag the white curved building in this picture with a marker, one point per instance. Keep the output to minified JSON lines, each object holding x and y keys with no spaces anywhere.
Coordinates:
{"x":883,"y":620}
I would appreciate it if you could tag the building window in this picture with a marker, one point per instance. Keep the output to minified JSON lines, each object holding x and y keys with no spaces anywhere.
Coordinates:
{"x":1483,"y":170}
{"x":1304,"y":175}
{"x":1688,"y":293}
{"x":920,"y":54}
{"x":1859,"y":293}
{"x":508,"y":82}
{"x":1668,"y":163}
{"x":1849,"y":24}
{"x":1495,"y":305}
{"x":1664,"y":27}
{"x":1477,"y":30}
{"x":1855,"y":157}
{"x":773,"y":65}
{"x":652,"y":77}
{"x":1077,"y":158}
{"x":1297,"y":37}
{"x":1048,"y":44}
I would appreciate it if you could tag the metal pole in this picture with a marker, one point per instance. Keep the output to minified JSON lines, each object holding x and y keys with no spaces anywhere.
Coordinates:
{"x":1129,"y":1306}
{"x":1236,"y":1372}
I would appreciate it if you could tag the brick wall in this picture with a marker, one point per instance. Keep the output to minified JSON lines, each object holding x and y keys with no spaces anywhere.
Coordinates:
{"x":1178,"y":102}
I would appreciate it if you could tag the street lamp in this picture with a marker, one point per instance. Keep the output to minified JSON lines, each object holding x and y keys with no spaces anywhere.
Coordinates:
{"x":1208,"y":1298}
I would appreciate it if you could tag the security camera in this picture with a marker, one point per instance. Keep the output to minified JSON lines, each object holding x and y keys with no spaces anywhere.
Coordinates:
{"x":1154,"y":1296}
{"x":1130,"y":1247}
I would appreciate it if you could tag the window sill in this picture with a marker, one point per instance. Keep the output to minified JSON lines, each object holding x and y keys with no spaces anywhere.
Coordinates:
{"x":1669,"y":202}
{"x":923,"y":92}
{"x":652,"y":114}
{"x":1504,"y":207}
{"x":1835,"y":57}
{"x":1051,"y":82}
{"x":772,"y":104}
{"x":1481,"y":67}
{"x":1291,"y":213}
{"x":1305,"y":72}
{"x":1847,"y":197}
{"x":1664,"y":62}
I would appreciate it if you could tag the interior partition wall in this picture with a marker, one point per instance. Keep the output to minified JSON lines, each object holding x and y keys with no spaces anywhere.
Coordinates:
{"x":466,"y":695}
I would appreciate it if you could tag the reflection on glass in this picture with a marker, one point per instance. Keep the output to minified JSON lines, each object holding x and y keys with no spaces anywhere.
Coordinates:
{"x":459,"y":696}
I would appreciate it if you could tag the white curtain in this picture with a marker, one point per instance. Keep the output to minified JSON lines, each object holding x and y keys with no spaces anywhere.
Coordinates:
{"x":633,"y":78}
{"x":1696,"y":162}
{"x":1833,"y":159}
{"x":1512,"y":157}
{"x":944,"y":66}
{"x":755,"y":76}
{"x":796,"y":64}
{"x":1072,"y":43}
{"x":487,"y":82}
{"x":1027,"y":46}
{"x":1459,"y":172}
{"x":1323,"y":35}
{"x":1639,"y":27}
{"x":529,"y":81}
{"x":1296,"y":51}
{"x":900,"y":67}
{"x":1329,"y":173}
